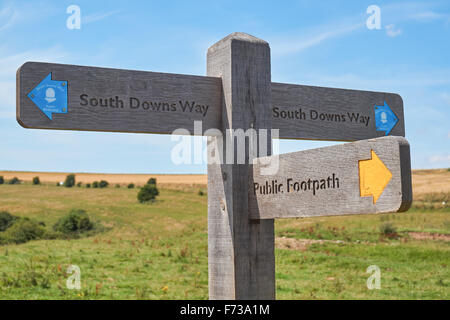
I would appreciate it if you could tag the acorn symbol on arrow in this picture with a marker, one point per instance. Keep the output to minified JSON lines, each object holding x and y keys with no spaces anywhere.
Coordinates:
{"x":50,"y":96}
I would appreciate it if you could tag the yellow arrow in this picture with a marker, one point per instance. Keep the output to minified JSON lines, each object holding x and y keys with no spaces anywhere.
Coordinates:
{"x":373,"y":177}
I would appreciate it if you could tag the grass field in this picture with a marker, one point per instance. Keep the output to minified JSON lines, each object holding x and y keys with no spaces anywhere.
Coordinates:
{"x":159,"y":250}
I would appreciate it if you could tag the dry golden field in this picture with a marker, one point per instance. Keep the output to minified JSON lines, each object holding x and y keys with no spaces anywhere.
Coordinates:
{"x":428,"y":181}
{"x":424,"y":181}
{"x":139,"y":179}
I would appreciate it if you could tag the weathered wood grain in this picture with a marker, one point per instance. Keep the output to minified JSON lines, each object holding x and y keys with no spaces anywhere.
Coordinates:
{"x":343,"y":195}
{"x":240,"y":251}
{"x":168,"y":92}
{"x":293,"y":107}
{"x":319,"y":113}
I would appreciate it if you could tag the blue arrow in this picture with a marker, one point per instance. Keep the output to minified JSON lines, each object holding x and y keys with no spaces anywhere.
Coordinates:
{"x":50,"y":96}
{"x":385,"y":118}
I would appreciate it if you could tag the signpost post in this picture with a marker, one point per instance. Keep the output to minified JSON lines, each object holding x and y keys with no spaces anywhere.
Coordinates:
{"x":238,"y":98}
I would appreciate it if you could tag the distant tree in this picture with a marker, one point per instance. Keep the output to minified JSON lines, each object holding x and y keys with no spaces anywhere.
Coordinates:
{"x":152,"y":181}
{"x":130,"y":186}
{"x":76,"y":221}
{"x":6,"y":220}
{"x":14,"y":180}
{"x":103,"y":184}
{"x":148,"y":193}
{"x":70,"y":181}
{"x":2,"y":180}
{"x":36,"y":181}
{"x":95,"y":184}
{"x":88,"y":185}
{"x":79,"y":184}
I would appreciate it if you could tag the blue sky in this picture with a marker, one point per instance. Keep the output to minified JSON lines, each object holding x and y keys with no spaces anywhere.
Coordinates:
{"x":322,"y":43}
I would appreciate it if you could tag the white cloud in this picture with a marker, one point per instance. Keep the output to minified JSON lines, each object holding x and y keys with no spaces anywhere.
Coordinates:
{"x":419,"y":11}
{"x":97,"y":16}
{"x":383,"y":80}
{"x":314,"y":38}
{"x":8,"y":16}
{"x":440,"y":159}
{"x":391,"y":31}
{"x":15,"y":13}
{"x":406,"y":12}
{"x":10,"y":63}
{"x":427,"y":16}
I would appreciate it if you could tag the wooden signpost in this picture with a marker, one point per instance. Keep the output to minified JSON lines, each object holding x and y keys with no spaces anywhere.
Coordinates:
{"x":318,"y":113}
{"x":101,"y":99}
{"x":367,"y":176}
{"x":370,"y":176}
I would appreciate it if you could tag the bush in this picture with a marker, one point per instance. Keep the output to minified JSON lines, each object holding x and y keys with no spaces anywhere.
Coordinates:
{"x":24,"y":230}
{"x":148,"y":193}
{"x":388,"y":229}
{"x":95,"y":184}
{"x":2,"y":180}
{"x":117,"y":185}
{"x":130,"y":186}
{"x":201,"y":193}
{"x":76,"y":221}
{"x":103,"y":184}
{"x":79,"y":184}
{"x":152,"y":181}
{"x":88,"y":185}
{"x":70,"y":181}
{"x":14,"y":180}
{"x":6,"y":220}
{"x":36,"y":181}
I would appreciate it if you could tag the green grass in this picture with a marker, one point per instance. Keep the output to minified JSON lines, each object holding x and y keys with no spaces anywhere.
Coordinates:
{"x":159,"y":250}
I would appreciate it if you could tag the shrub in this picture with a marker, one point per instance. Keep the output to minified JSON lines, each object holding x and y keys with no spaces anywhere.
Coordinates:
{"x":103,"y":184}
{"x":95,"y":184}
{"x":76,"y":221}
{"x":6,"y":220}
{"x":24,"y":230}
{"x":36,"y":181}
{"x":148,"y":193}
{"x":14,"y":180}
{"x":130,"y":186}
{"x":152,"y":181}
{"x":70,"y":181}
{"x":388,"y":229}
{"x":79,"y":184}
{"x":117,"y":185}
{"x":88,"y":185}
{"x":2,"y":180}
{"x":58,"y":184}
{"x":201,"y":193}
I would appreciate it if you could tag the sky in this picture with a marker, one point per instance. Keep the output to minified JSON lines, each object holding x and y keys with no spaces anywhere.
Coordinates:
{"x":320,"y":43}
